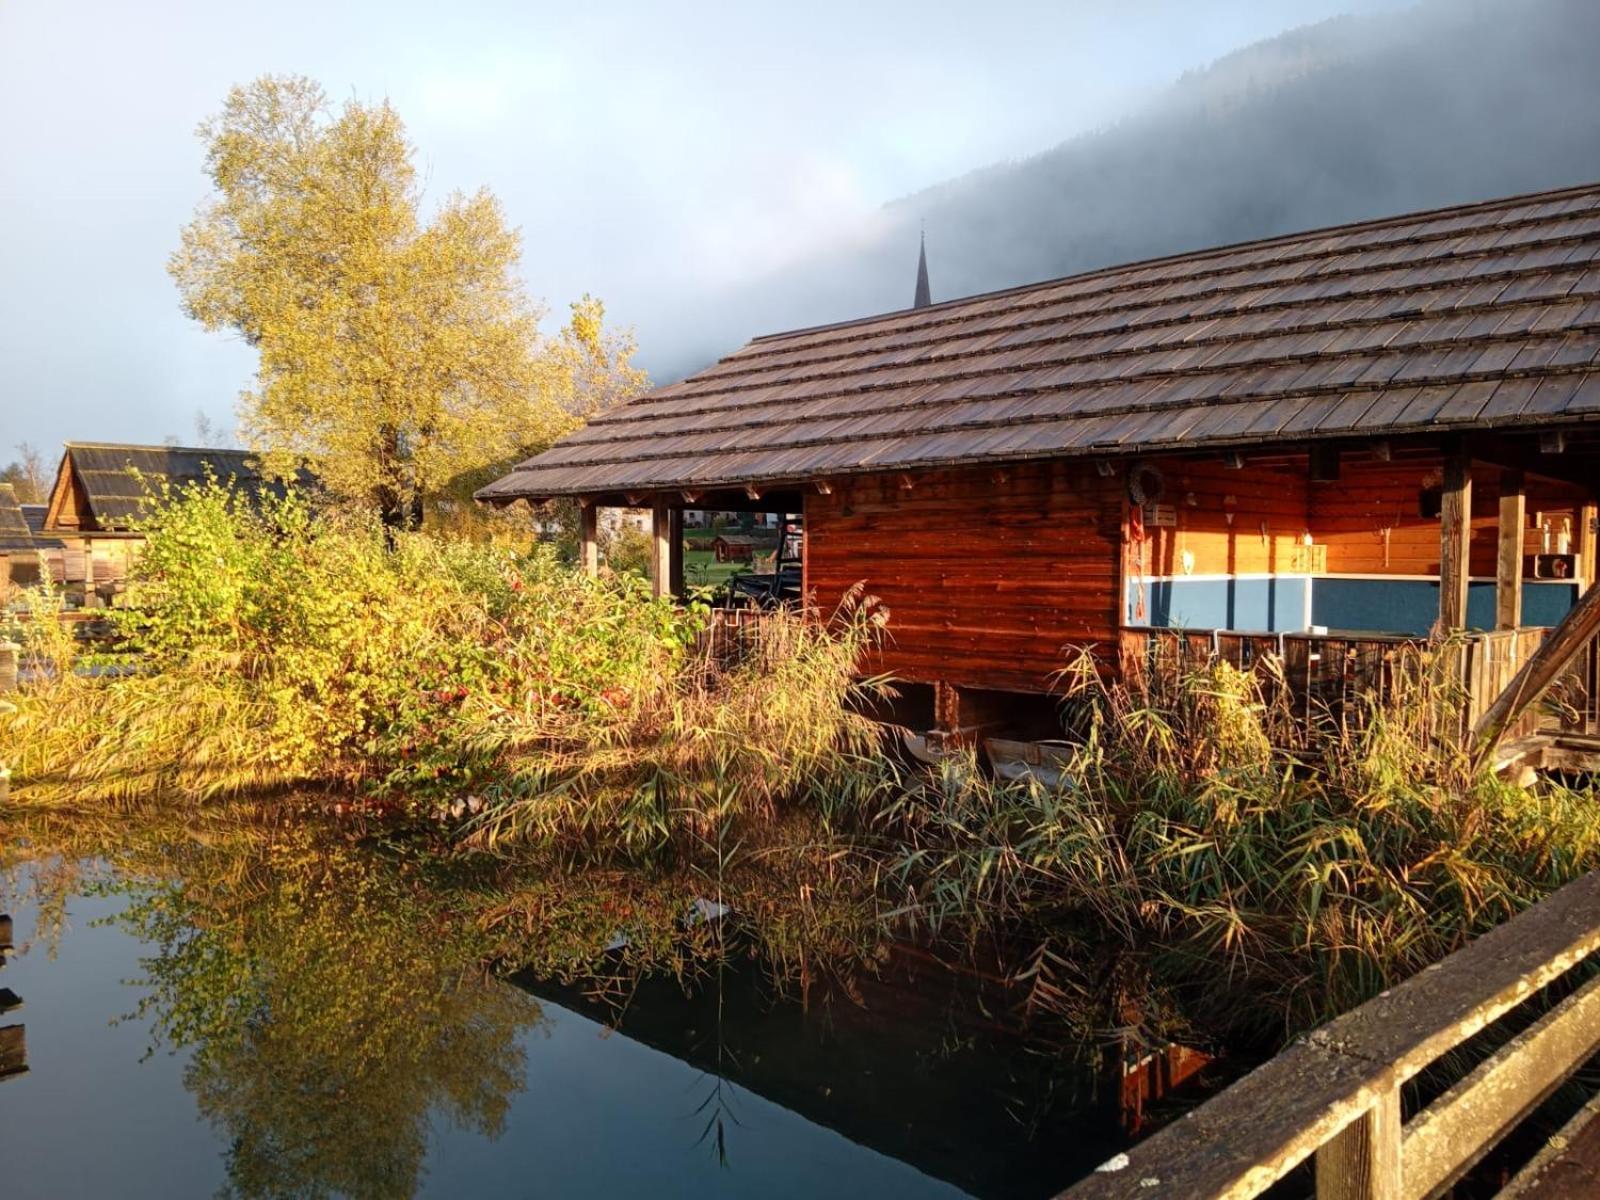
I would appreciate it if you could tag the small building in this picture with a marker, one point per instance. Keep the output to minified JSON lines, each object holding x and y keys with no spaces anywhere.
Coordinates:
{"x":1372,"y":430}
{"x":740,"y":547}
{"x":18,"y":555}
{"x":95,"y":503}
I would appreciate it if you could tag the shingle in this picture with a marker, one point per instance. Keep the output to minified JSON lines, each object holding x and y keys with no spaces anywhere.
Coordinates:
{"x":1381,"y":327}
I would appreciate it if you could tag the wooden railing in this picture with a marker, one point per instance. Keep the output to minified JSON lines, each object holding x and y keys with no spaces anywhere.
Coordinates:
{"x":1336,"y":1094}
{"x":736,"y":635}
{"x":1325,"y":678}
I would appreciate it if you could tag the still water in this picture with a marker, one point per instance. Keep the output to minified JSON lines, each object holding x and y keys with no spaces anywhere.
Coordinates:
{"x":236,"y":1031}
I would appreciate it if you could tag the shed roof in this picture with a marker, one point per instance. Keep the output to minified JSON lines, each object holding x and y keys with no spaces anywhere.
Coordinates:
{"x":1484,"y":315}
{"x":14,"y":533}
{"x":109,"y":475}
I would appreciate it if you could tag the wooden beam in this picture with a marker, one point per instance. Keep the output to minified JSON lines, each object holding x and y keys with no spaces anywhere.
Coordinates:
{"x":660,"y":550}
{"x":1544,"y":666}
{"x":589,"y":538}
{"x":1508,"y":560}
{"x":675,"y":551}
{"x":1455,"y":530}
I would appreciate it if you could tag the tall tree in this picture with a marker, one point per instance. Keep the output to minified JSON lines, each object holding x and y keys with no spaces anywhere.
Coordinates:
{"x":396,"y":354}
{"x":26,"y":474}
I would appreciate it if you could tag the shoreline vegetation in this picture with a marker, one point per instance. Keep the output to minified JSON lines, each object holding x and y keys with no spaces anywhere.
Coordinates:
{"x":559,"y":748}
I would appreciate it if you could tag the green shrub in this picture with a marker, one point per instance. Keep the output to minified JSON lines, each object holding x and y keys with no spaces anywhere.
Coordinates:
{"x":284,"y":648}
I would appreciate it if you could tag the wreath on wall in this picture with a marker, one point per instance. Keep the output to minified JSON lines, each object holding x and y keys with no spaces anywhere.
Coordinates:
{"x":1146,"y":484}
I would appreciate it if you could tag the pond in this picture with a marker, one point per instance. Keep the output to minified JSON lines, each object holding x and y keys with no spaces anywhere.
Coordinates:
{"x":294,"y":1020}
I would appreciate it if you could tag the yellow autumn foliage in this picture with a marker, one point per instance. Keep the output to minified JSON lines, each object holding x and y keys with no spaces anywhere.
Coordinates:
{"x":401,"y":358}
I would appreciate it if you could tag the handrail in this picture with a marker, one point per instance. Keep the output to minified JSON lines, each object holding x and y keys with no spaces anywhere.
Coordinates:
{"x":1335,"y":1092}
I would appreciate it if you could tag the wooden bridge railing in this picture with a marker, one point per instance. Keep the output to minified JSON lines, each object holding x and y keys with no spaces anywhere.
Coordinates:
{"x":1335,"y":1094}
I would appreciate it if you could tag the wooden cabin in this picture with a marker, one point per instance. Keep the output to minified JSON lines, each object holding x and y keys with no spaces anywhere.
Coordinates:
{"x":19,"y":557}
{"x":95,"y":502}
{"x":740,"y":547}
{"x":1355,"y":434}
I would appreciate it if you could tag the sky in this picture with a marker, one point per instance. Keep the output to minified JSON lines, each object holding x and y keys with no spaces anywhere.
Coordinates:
{"x":647,"y":152}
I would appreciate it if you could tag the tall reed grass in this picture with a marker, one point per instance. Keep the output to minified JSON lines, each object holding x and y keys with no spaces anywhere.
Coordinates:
{"x":1189,"y":864}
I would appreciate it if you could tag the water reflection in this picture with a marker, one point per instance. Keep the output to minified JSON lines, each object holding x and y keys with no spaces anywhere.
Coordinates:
{"x":326,"y":1009}
{"x":332,"y":1014}
{"x":13,"y":1038}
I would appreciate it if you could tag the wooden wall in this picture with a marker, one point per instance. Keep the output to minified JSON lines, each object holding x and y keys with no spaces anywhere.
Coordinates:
{"x":986,"y":576}
{"x":1268,"y":509}
{"x":1371,"y":521}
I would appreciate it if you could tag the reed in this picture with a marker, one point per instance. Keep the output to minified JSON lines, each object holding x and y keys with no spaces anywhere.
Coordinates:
{"x":1191,"y":866}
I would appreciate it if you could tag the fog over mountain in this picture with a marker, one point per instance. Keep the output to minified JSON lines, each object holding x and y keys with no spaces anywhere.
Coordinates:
{"x":1357,"y":117}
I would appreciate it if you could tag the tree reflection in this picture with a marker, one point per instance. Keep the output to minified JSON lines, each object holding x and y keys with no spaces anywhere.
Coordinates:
{"x":333,"y":1011}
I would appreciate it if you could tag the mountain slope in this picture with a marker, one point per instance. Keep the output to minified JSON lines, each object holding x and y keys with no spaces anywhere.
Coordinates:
{"x":1454,"y":101}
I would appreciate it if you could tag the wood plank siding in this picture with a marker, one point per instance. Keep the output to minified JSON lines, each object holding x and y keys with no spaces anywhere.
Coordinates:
{"x":985,"y":580}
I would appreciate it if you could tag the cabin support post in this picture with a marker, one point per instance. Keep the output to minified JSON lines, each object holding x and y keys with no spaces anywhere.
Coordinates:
{"x":1508,"y":561}
{"x":1363,"y":1161}
{"x":660,"y":550}
{"x":675,"y":550}
{"x":946,"y":708}
{"x":1588,"y":535}
{"x":589,"y":537}
{"x":1455,"y":531}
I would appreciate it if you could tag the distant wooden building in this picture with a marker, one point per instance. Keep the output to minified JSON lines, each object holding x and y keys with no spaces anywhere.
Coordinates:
{"x":96,"y":500}
{"x":18,"y":555}
{"x":740,"y":547}
{"x":1372,"y":429}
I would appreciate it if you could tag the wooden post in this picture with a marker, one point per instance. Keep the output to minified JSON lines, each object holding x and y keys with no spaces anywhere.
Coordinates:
{"x":946,"y":708}
{"x":1508,"y":562}
{"x":589,"y":537}
{"x":675,"y":551}
{"x":1587,"y":538}
{"x":1362,"y":1162}
{"x":88,"y":574}
{"x":660,"y":550}
{"x":1455,"y":531}
{"x":9,"y":653}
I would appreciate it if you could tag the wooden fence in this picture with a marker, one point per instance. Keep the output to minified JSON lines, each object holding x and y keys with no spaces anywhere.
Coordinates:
{"x":1336,"y":1093}
{"x":736,"y":635}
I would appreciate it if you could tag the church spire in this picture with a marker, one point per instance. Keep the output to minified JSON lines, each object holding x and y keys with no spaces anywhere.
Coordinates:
{"x":924,"y":296}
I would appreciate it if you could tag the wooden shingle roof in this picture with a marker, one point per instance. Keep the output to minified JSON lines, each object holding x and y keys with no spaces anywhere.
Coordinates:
{"x":15,"y":536}
{"x":108,"y":476}
{"x":1481,"y":316}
